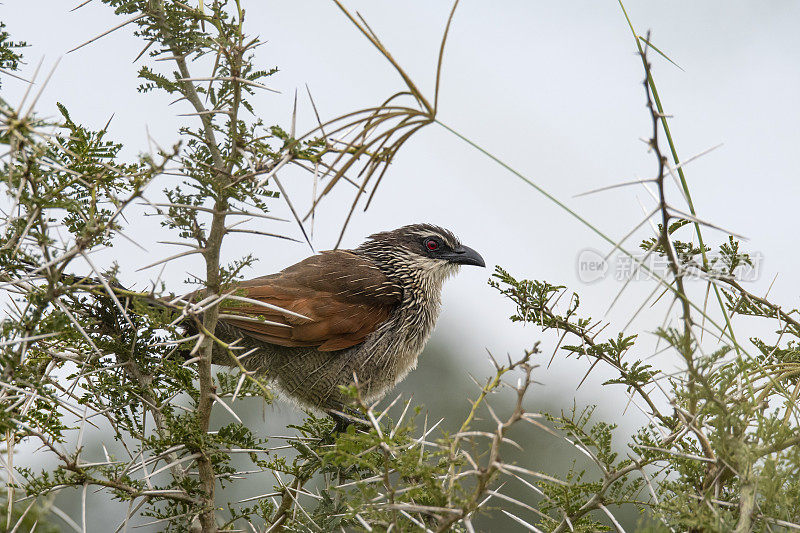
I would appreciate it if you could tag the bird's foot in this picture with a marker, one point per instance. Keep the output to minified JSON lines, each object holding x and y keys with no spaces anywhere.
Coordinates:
{"x":346,"y":417}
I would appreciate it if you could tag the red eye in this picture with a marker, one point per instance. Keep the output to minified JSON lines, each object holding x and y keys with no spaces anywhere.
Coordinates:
{"x":431,"y":245}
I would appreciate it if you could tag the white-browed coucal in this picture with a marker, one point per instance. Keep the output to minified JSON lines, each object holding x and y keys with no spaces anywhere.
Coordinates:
{"x":367,"y":311}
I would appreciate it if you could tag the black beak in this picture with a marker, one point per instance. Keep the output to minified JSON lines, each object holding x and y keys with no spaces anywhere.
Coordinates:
{"x":464,"y":255}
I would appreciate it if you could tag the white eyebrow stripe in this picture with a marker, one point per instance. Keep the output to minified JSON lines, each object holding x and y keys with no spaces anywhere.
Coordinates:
{"x":450,"y":241}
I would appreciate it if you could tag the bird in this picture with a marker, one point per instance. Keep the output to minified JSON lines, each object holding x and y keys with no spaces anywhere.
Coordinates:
{"x":343,"y":317}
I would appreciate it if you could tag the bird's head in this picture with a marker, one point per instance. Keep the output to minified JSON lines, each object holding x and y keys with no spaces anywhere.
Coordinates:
{"x":422,"y":249}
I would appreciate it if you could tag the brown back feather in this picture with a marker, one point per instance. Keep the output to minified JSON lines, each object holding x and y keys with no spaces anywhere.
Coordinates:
{"x":345,"y":296}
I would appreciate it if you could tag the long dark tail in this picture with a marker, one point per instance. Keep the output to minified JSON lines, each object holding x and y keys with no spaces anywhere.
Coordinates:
{"x":113,"y":315}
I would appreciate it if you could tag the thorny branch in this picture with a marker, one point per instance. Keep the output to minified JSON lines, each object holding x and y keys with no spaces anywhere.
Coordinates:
{"x":718,"y":444}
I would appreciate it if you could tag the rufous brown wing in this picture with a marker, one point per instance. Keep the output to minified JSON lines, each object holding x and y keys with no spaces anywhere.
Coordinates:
{"x":345,"y":297}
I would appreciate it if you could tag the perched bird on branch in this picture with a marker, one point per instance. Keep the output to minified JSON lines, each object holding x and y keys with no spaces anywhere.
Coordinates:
{"x":366,"y":312}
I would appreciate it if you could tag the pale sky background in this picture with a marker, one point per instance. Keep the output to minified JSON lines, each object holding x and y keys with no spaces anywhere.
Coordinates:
{"x":552,"y":88}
